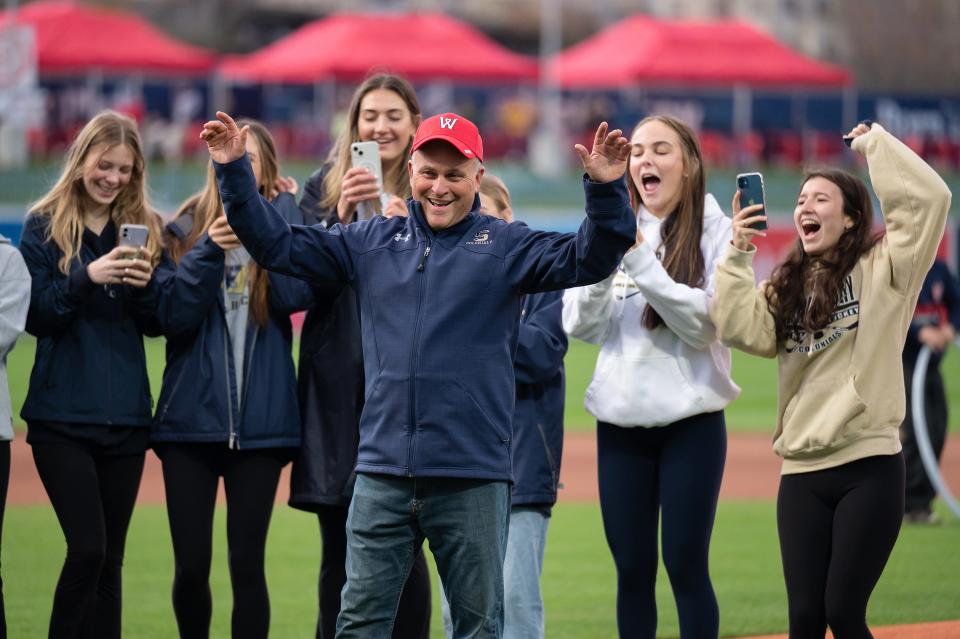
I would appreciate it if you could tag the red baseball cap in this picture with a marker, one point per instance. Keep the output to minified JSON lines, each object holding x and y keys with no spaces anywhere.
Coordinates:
{"x":455,"y":129}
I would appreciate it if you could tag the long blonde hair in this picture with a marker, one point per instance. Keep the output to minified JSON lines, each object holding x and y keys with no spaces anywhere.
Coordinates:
{"x":64,"y":203}
{"x":494,"y":188}
{"x":395,"y":182}
{"x":205,"y":206}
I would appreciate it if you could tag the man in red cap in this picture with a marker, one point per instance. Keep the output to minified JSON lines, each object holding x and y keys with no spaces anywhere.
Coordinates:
{"x":440,"y":295}
{"x":446,"y":142}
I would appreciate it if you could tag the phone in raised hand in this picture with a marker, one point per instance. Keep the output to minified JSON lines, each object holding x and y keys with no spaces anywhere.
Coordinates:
{"x":750,"y":186}
{"x":367,"y":155}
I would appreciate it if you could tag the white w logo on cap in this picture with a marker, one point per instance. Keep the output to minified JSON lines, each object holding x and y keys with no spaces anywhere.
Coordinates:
{"x":447,"y":123}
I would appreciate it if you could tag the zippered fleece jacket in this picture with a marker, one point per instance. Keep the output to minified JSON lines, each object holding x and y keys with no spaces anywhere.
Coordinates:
{"x":841,"y":390}
{"x":440,"y":314}
{"x":199,"y":399}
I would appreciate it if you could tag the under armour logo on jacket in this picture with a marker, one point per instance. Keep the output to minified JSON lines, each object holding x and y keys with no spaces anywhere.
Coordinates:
{"x":447,"y":123}
{"x":400,"y":237}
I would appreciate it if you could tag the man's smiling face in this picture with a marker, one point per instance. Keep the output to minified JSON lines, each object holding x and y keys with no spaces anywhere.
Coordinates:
{"x":445,"y":183}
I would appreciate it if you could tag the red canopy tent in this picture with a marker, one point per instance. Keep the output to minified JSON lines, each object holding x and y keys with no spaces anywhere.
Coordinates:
{"x":73,"y":38}
{"x":642,"y":50}
{"x":346,"y":47}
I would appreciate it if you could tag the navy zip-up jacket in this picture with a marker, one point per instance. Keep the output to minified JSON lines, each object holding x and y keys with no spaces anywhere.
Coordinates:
{"x":330,"y":380}
{"x":199,"y":400}
{"x":440,"y":313}
{"x":538,"y":417}
{"x":937,"y":304}
{"x":90,"y":366}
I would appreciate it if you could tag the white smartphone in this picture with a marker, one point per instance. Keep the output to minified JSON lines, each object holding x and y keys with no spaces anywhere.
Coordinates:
{"x":367,"y":154}
{"x":135,"y":235}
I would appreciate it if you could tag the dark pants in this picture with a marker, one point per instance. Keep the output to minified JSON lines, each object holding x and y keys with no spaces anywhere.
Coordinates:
{"x":191,"y":474}
{"x":413,"y":614}
{"x":837,"y":528}
{"x":4,"y":481}
{"x":674,"y":470}
{"x":93,"y":495}
{"x":919,"y":491}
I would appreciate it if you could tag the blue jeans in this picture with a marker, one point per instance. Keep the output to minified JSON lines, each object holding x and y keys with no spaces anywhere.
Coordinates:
{"x":465,"y":521}
{"x":523,"y":603}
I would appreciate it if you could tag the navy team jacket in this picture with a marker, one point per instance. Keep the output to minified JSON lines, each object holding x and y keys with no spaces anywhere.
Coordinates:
{"x":937,"y":304}
{"x":199,"y":399}
{"x":440,"y":314}
{"x":538,"y":418}
{"x":90,"y":366}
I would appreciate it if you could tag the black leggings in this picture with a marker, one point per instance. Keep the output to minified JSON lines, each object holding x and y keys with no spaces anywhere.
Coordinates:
{"x":837,"y":528}
{"x":413,"y":613}
{"x":93,"y":495}
{"x":4,"y":481}
{"x":674,"y":470}
{"x":191,"y":473}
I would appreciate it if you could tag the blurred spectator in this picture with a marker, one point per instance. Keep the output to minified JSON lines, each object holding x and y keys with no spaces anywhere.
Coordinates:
{"x":934,"y":320}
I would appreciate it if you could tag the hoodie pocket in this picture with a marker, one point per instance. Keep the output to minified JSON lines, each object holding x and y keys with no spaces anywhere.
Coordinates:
{"x":822,"y":415}
{"x":649,"y":391}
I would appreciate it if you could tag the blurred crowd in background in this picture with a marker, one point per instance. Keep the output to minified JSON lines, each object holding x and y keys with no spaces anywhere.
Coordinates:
{"x":860,"y":69}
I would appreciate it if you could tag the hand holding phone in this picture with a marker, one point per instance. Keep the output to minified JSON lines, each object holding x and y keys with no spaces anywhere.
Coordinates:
{"x":862,"y":127}
{"x":366,"y":155}
{"x":360,"y":187}
{"x":135,"y":236}
{"x":750,"y":186}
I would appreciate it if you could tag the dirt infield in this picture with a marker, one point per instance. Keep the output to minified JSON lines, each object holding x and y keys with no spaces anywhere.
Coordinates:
{"x":752,"y":471}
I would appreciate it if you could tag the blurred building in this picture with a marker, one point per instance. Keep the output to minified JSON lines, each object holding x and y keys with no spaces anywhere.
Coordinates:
{"x":869,"y":38}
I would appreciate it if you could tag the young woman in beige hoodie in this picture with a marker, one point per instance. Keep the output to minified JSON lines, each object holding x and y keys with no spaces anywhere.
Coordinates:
{"x":835,"y":313}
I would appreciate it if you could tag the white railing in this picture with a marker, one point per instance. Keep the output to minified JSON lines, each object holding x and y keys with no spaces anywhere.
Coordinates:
{"x":923,"y":436}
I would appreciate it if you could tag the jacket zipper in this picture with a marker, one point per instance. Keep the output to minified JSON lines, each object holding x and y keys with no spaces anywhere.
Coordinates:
{"x":546,"y":449}
{"x":412,"y":448}
{"x":232,"y":435}
{"x":173,"y":392}
{"x":246,"y":372}
{"x":423,"y":259}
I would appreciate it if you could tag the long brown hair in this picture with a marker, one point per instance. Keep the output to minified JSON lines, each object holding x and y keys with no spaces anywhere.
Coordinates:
{"x":803,"y":289}
{"x":205,"y":206}
{"x":64,"y":203}
{"x":681,"y":231}
{"x":395,"y":179}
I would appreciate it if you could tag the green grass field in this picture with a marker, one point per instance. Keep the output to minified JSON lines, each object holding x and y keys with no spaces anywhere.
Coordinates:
{"x":920,"y":583}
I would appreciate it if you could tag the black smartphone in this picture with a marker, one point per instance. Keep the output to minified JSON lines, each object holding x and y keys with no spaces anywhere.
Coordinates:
{"x":849,"y":141}
{"x":750,"y":186}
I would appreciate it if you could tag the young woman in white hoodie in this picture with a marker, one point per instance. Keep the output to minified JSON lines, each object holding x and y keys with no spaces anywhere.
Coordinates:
{"x":661,"y":383}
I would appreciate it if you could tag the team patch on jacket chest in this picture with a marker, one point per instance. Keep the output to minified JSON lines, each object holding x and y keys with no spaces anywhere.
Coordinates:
{"x":481,"y":238}
{"x":844,"y":319}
